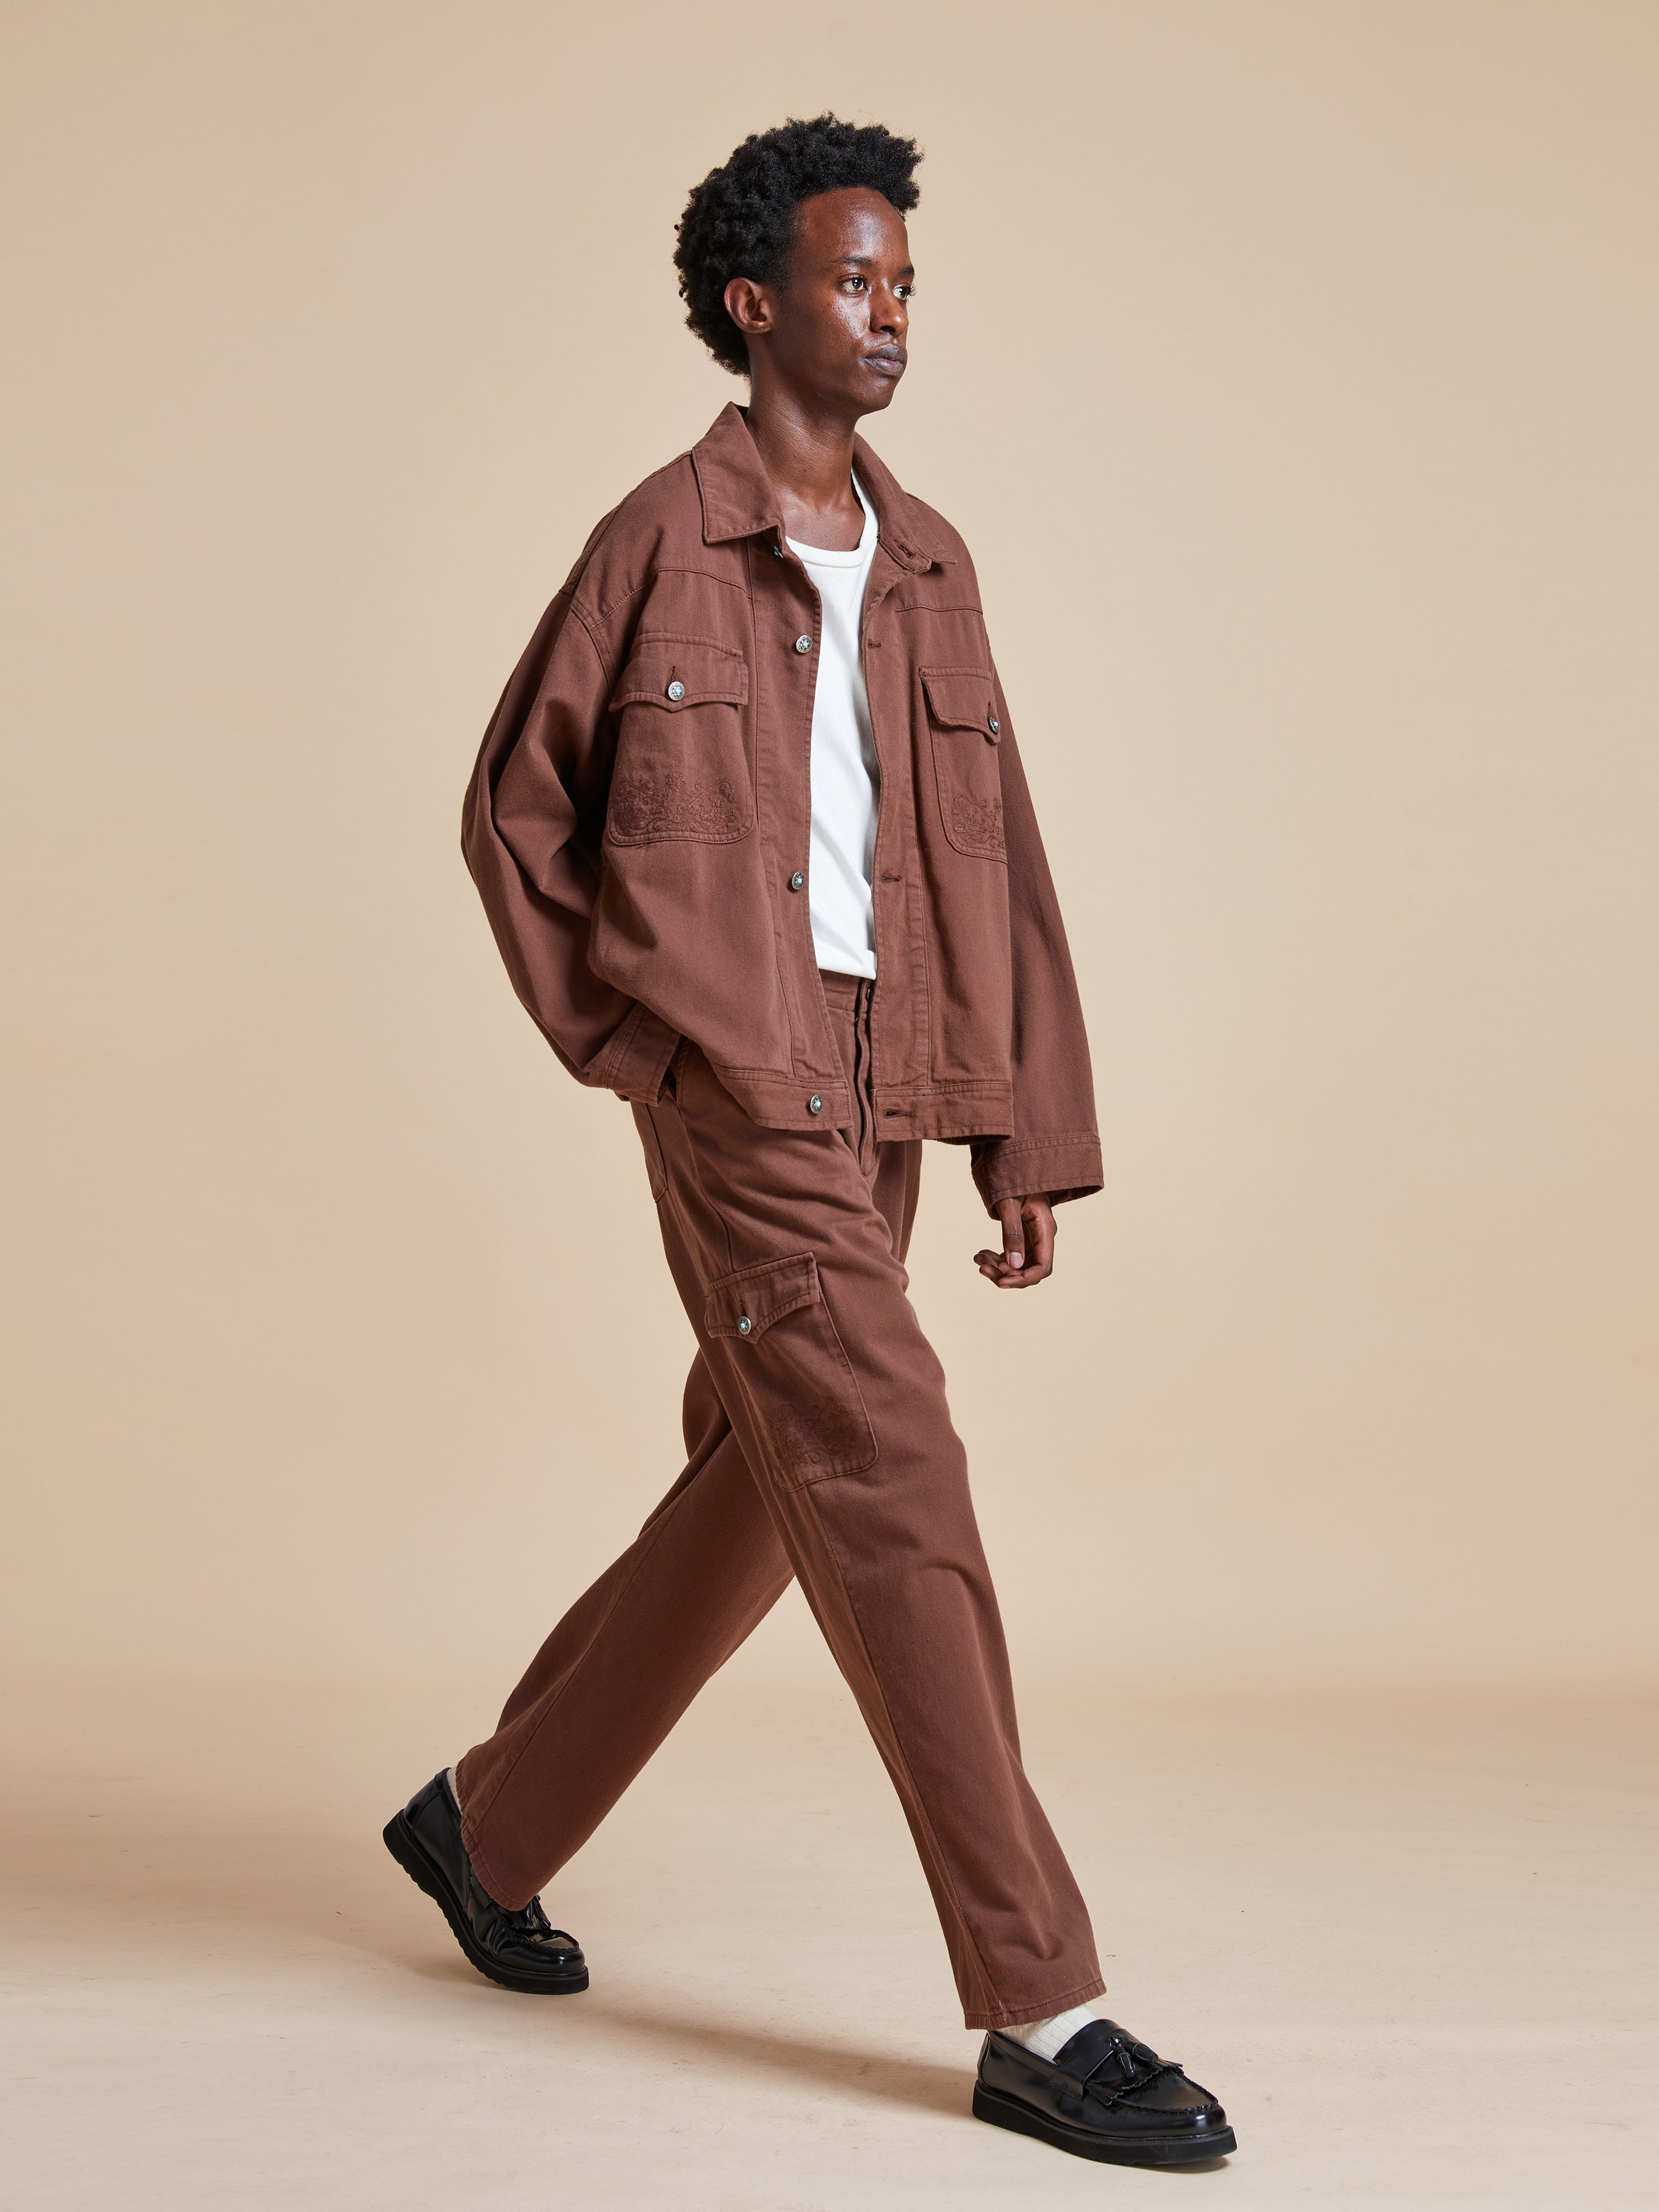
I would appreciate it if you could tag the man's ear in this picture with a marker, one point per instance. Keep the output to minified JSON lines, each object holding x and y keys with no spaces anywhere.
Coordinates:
{"x":749,"y":306}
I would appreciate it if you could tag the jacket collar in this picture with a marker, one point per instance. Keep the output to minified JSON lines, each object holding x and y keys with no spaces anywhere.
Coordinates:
{"x":739,"y":500}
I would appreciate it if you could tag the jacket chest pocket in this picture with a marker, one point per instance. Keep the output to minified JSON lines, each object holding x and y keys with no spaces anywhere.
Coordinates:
{"x":792,"y":1368}
{"x":962,"y":717}
{"x":682,"y":769}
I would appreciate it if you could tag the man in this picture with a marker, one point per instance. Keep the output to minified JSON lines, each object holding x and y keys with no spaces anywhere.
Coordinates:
{"x":750,"y":827}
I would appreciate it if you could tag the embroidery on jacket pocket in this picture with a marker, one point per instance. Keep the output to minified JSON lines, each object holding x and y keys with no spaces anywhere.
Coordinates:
{"x":792,"y":1368}
{"x":975,"y":823}
{"x":962,"y":719}
{"x":682,"y":768}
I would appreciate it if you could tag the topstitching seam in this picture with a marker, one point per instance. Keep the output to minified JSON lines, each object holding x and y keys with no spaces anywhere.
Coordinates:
{"x":702,"y":1190}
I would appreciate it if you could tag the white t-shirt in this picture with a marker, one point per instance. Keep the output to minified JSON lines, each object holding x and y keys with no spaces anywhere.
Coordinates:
{"x":845,"y":775}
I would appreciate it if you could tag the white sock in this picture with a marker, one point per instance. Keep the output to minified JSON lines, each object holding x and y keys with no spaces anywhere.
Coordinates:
{"x":1049,"y":2038}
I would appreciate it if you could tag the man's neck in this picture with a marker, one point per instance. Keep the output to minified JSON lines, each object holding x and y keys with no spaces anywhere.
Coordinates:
{"x":809,"y":457}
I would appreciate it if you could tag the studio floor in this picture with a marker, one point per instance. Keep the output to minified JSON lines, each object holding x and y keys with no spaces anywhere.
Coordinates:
{"x":1408,"y":1940}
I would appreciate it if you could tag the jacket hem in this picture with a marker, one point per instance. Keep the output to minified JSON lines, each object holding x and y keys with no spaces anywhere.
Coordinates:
{"x":951,"y":1113}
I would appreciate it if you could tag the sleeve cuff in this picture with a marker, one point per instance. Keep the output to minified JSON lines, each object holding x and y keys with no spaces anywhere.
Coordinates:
{"x":1056,"y":1169}
{"x":638,"y":1056}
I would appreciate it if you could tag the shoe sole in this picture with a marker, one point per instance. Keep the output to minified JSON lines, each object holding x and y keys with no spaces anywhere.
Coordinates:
{"x":399,"y":1839}
{"x":1083,"y":2142}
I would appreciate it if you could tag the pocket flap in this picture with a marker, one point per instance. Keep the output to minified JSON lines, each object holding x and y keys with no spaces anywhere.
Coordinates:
{"x":676,"y":672}
{"x":747,"y":1304}
{"x":962,"y":699}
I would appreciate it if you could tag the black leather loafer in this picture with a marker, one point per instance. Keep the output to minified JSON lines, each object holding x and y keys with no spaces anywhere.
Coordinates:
{"x":520,"y":1950}
{"x":1105,"y":2096}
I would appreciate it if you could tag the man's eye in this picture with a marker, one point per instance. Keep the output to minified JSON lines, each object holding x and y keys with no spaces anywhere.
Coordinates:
{"x":857,"y":282}
{"x":905,"y":291}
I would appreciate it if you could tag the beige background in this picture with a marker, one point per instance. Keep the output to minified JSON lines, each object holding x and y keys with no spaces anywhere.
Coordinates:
{"x":1290,"y":368}
{"x":1289,"y":365}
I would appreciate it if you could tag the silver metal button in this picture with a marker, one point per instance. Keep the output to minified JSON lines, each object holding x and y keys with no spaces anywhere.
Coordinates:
{"x":743,"y":1324}
{"x":678,"y":692}
{"x":802,"y":645}
{"x":796,"y":880}
{"x":996,"y":727}
{"x":815,"y":1104}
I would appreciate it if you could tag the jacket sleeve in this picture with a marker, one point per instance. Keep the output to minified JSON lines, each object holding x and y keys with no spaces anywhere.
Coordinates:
{"x":530,"y":832}
{"x":1055,"y":1150}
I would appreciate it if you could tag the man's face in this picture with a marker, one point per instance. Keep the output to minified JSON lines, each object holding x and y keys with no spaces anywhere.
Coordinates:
{"x":837,"y":329}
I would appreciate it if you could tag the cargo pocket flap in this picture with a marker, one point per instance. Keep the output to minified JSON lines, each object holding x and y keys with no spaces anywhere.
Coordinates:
{"x":962,"y":699}
{"x":747,"y":1304}
{"x":677,"y":672}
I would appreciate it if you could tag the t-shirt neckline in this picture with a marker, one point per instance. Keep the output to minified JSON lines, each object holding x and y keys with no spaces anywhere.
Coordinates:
{"x":824,"y":557}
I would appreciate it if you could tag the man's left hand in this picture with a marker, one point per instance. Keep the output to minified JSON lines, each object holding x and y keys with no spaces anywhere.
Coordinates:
{"x":1028,"y":1245}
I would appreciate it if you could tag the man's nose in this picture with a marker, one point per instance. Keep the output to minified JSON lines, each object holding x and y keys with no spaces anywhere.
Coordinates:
{"x":887,"y":313}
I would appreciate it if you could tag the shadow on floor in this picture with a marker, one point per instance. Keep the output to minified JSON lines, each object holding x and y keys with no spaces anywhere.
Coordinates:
{"x":714,"y":2043}
{"x":912,"y":2082}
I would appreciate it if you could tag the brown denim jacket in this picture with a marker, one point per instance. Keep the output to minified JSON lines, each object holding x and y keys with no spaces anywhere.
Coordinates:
{"x":638,"y":821}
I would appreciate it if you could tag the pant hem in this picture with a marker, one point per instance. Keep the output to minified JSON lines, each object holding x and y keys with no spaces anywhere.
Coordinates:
{"x":1045,"y":2008}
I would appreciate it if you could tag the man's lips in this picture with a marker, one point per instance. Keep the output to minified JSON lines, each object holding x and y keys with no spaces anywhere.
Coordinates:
{"x":888,"y":362}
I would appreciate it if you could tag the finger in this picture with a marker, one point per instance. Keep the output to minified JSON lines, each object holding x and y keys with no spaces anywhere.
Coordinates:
{"x":1010,"y":1214}
{"x":1039,"y":1238}
{"x":1035,"y":1231}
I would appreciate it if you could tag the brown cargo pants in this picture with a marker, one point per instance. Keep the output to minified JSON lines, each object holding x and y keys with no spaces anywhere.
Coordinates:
{"x":820,"y":1446}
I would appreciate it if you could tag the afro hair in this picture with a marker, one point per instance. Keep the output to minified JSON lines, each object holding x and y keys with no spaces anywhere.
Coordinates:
{"x":740,"y":220}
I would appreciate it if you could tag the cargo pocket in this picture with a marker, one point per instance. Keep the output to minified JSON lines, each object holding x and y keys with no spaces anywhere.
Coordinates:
{"x":682,"y":771}
{"x":961,"y":714}
{"x":792,"y":1368}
